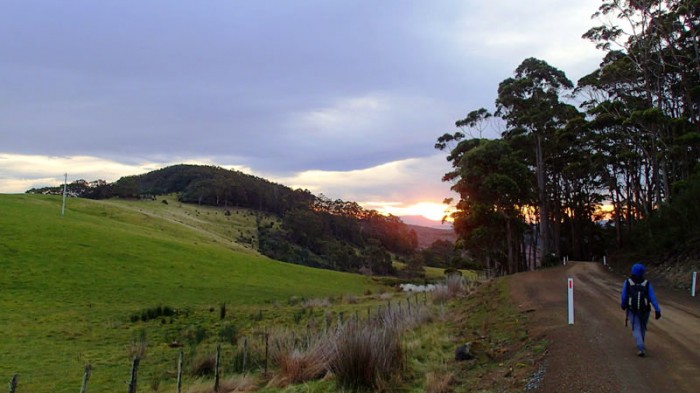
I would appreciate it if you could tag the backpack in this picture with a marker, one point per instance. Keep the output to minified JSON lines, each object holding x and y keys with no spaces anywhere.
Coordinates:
{"x":637,"y":296}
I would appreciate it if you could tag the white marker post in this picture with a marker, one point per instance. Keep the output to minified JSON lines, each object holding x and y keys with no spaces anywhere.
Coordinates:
{"x":692,"y":287}
{"x":65,"y":183}
{"x":571,"y":301}
{"x":605,"y":261}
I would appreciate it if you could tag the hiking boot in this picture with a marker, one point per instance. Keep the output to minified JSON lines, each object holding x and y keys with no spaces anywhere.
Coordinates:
{"x":641,"y":354}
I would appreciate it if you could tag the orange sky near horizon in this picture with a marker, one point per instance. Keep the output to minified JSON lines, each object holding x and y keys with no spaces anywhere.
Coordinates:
{"x":430,"y":210}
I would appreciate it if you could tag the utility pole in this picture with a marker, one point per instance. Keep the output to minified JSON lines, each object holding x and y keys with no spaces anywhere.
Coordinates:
{"x":65,"y":182}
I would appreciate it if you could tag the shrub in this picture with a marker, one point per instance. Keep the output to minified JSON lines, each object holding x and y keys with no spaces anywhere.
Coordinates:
{"x":204,"y":366}
{"x":194,"y":334}
{"x":228,"y":333}
{"x":148,"y":314}
{"x":298,"y":315}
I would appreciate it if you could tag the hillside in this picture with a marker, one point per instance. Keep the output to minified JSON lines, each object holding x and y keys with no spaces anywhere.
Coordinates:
{"x":299,"y":227}
{"x":427,"y":235}
{"x":71,"y":285}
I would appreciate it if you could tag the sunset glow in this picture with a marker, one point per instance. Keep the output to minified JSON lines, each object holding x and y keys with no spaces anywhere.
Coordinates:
{"x":430,"y":210}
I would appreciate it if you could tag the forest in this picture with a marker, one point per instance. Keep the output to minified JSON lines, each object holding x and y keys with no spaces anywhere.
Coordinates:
{"x":608,"y":164}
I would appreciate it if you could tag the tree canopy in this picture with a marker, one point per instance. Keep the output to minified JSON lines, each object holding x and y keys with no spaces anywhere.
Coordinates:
{"x":560,"y":171}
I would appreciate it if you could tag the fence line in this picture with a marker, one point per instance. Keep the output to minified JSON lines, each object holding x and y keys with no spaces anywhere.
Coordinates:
{"x":385,"y":314}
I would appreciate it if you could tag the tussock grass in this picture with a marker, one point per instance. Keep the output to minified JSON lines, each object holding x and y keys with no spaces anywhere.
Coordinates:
{"x":297,"y":360}
{"x":439,"y":382}
{"x":317,"y":303}
{"x":366,"y":356}
{"x":453,"y":286}
{"x":240,"y":383}
{"x":350,"y":299}
{"x":204,"y":365}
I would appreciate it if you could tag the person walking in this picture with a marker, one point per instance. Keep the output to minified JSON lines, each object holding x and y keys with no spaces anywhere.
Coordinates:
{"x":637,"y":299}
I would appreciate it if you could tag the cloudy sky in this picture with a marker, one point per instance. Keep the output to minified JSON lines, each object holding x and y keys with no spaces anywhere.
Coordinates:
{"x":344,"y":98}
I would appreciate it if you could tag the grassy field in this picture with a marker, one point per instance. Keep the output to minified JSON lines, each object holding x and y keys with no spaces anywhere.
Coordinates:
{"x":93,"y":286}
{"x":70,"y":286}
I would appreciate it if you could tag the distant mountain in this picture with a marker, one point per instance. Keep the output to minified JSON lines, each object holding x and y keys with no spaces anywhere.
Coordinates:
{"x":427,"y":235}
{"x":425,"y":222}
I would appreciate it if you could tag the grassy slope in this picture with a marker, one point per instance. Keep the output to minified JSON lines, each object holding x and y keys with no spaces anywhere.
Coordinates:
{"x":69,"y":284}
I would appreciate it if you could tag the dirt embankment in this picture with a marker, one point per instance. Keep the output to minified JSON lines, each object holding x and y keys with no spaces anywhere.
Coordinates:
{"x":597,"y":353}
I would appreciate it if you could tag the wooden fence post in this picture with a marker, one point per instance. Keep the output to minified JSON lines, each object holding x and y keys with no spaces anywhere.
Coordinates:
{"x":86,"y":377}
{"x":267,"y":336}
{"x":216,"y":369}
{"x":308,"y":336}
{"x":245,"y":353}
{"x":179,"y":372}
{"x":13,"y":383}
{"x":134,"y":372}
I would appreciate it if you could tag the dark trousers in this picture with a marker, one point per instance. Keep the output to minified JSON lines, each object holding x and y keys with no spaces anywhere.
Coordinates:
{"x":639,"y":327}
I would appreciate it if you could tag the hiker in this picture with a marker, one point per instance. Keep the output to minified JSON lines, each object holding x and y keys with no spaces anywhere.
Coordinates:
{"x":637,"y":298}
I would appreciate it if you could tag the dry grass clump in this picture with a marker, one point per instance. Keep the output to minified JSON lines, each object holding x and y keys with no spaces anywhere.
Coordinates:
{"x":350,"y":299}
{"x":454,"y":285}
{"x":366,"y":356}
{"x":204,"y":365}
{"x":299,"y":363}
{"x":439,"y":382}
{"x":312,"y":303}
{"x":441,"y":294}
{"x":240,"y":383}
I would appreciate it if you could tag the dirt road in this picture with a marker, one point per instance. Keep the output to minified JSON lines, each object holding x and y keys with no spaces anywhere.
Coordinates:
{"x":597,"y":353}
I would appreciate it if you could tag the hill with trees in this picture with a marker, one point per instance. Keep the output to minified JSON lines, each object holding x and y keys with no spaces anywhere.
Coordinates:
{"x":307,"y":229}
{"x":617,"y":173}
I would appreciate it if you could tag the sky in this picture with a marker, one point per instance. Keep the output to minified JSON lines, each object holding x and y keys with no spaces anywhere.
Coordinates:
{"x":343,"y":98}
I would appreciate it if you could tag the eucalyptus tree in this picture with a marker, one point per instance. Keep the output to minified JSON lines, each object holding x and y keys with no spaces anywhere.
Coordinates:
{"x":530,"y":104}
{"x":643,"y":102}
{"x":494,"y":186}
{"x":654,"y":63}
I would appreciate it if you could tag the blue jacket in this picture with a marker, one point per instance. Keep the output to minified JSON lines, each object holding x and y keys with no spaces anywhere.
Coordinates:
{"x":638,"y":272}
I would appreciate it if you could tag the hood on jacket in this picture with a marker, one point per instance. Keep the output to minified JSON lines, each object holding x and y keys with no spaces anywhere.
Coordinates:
{"x":638,"y":270}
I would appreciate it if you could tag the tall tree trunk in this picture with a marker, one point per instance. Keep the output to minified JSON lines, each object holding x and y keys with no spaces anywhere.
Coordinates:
{"x":542,"y":195}
{"x":512,"y":264}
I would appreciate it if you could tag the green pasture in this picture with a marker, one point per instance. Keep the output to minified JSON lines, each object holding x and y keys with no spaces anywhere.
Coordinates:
{"x":71,"y":287}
